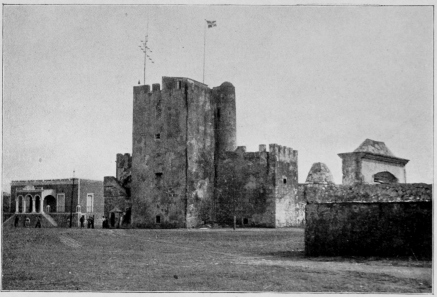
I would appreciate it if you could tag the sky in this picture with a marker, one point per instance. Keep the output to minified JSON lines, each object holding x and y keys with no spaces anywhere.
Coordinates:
{"x":319,"y":79}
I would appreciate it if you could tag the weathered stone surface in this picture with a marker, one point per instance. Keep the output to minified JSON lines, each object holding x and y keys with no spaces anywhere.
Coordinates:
{"x":319,"y":174}
{"x":367,"y":193}
{"x":177,"y":135}
{"x":369,"y":229}
{"x":259,"y":187}
{"x":368,"y":220}
{"x":374,"y":147}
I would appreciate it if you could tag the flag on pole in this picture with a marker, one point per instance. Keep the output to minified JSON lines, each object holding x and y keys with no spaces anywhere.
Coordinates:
{"x":211,"y":23}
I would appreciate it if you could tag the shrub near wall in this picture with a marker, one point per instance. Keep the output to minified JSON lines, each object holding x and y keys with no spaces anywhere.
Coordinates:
{"x":369,"y":220}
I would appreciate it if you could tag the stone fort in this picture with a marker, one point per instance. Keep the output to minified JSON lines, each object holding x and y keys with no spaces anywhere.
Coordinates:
{"x":186,"y":169}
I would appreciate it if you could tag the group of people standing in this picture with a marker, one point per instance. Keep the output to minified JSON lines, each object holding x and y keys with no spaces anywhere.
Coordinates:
{"x":26,"y":222}
{"x":89,"y":220}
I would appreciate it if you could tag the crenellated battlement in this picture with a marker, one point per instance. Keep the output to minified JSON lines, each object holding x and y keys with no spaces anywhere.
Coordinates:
{"x":284,"y":153}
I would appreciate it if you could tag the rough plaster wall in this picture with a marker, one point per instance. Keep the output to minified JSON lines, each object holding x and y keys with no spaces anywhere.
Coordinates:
{"x":369,"y":229}
{"x":351,"y":167}
{"x":371,"y":167}
{"x":369,"y":220}
{"x":225,"y":117}
{"x":167,"y":156}
{"x":245,"y":188}
{"x":285,"y":193}
{"x":299,"y":206}
{"x":200,"y":149}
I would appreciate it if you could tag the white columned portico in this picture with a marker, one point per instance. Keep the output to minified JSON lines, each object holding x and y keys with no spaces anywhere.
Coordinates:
{"x":17,"y":204}
{"x":24,"y":205}
{"x":33,"y":204}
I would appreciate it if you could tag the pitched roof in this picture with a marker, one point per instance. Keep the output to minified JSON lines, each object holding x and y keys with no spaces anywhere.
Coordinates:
{"x":374,"y":147}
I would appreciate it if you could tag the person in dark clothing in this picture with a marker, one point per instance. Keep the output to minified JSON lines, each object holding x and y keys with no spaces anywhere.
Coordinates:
{"x":88,"y":222}
{"x":38,"y":223}
{"x":17,"y":220}
{"x":27,"y":222}
{"x":92,"y":222}
{"x":104,"y":223}
{"x":82,"y":219}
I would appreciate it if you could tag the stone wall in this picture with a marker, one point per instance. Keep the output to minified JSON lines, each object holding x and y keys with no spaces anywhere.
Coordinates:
{"x":123,"y":165}
{"x":159,"y":157}
{"x":245,"y":188}
{"x":173,"y":154}
{"x":200,"y":152}
{"x":259,"y":188}
{"x":284,"y":163}
{"x":351,"y":168}
{"x":369,"y":220}
{"x":115,"y":195}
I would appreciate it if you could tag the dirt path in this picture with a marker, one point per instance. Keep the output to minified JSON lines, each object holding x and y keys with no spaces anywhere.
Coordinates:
{"x":69,"y":241}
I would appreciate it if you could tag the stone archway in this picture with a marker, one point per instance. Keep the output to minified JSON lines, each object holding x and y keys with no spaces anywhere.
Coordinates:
{"x":49,"y":203}
{"x":38,"y":204}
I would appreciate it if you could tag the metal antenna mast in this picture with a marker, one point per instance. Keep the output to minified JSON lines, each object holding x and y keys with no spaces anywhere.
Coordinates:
{"x":145,"y":49}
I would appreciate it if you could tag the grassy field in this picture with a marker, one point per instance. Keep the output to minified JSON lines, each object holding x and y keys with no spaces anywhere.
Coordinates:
{"x":193,"y":260}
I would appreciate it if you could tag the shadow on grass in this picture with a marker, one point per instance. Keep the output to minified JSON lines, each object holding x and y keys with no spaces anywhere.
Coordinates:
{"x":286,"y":254}
{"x":395,"y":261}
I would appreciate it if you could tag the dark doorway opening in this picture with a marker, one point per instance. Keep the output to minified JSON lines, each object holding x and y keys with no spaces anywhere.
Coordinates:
{"x":112,"y":219}
{"x":385,"y":177}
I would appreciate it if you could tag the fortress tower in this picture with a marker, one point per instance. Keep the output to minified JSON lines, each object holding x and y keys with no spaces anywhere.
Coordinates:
{"x":186,"y":168}
{"x":178,"y":133}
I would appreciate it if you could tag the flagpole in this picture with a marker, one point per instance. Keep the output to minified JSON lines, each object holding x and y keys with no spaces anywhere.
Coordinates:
{"x":204,"y":46}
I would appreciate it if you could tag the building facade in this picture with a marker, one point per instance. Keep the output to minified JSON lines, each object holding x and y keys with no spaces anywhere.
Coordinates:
{"x":56,"y":199}
{"x":372,"y":163}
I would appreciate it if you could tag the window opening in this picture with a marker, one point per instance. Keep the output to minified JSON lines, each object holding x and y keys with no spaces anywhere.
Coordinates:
{"x":158,"y":179}
{"x":89,"y":202}
{"x":61,"y":203}
{"x":284,"y":180}
{"x":158,"y":220}
{"x":158,"y":136}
